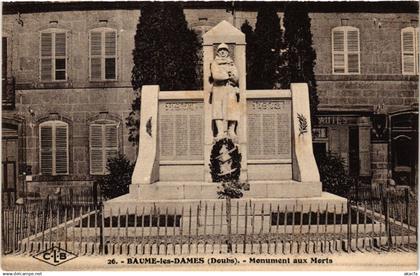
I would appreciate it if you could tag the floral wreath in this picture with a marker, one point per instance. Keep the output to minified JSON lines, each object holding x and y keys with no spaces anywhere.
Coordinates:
{"x":215,"y":163}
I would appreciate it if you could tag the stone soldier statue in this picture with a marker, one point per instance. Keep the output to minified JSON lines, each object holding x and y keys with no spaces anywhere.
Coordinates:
{"x":225,"y":94}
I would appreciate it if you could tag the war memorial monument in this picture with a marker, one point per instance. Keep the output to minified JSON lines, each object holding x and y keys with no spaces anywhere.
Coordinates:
{"x":270,"y":128}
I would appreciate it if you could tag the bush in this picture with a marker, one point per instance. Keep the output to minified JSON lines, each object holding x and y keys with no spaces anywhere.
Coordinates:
{"x":333,"y":175}
{"x":117,"y":181}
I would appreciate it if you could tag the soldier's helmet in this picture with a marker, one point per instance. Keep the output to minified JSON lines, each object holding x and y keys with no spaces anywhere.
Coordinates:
{"x":222,"y":46}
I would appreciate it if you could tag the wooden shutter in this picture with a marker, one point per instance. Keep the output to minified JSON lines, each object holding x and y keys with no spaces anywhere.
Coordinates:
{"x":338,"y":51}
{"x":95,"y":55}
{"x":96,"y":150}
{"x":60,"y":44}
{"x":110,"y":54}
{"x":345,"y":50}
{"x":111,"y":142}
{"x":110,"y":43}
{"x":353,"y":51}
{"x":408,"y":51}
{"x":46,"y":56}
{"x":46,"y":148}
{"x":60,"y":56}
{"x":61,"y":149}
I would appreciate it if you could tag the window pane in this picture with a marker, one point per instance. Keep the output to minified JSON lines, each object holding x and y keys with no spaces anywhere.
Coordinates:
{"x":60,"y":63}
{"x":60,"y":67}
{"x":60,"y":75}
{"x":110,"y":68}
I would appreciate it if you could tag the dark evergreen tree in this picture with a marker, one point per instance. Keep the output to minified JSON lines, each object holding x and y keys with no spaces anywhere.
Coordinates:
{"x":246,"y":28}
{"x":300,"y":55}
{"x":165,"y":54}
{"x":266,"y":58}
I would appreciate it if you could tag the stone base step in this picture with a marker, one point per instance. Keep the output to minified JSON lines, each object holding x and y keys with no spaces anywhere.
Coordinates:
{"x":202,"y":190}
{"x":131,"y":203}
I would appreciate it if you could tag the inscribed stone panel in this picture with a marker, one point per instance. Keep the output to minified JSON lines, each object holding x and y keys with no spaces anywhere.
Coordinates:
{"x":181,"y":130}
{"x":269,"y":129}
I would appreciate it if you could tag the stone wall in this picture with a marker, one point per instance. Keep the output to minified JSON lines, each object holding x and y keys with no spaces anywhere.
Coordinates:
{"x":380,"y":45}
{"x":351,"y":94}
{"x":380,"y":80}
{"x":77,"y":107}
{"x":24,"y":41}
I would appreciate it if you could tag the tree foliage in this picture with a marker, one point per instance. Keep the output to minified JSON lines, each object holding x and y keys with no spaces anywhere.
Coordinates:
{"x":246,"y":28}
{"x":264,"y":49}
{"x":333,"y":175}
{"x":300,"y":56}
{"x":117,"y":181}
{"x":165,"y":54}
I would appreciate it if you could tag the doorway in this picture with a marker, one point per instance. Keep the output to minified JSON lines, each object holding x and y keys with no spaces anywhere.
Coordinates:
{"x":404,"y":148}
{"x":9,"y":169}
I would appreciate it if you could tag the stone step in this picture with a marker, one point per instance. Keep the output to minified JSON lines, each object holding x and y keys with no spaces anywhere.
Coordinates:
{"x":168,"y":190}
{"x":130,"y":203}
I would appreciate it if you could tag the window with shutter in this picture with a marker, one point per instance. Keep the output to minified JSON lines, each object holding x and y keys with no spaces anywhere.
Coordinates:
{"x":410,"y":51}
{"x":345,"y":50}
{"x":54,"y":150}
{"x":96,"y":152}
{"x":61,"y":157}
{"x":103,"y":54}
{"x":46,"y":150}
{"x":53,"y":55}
{"x":103,"y":146}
